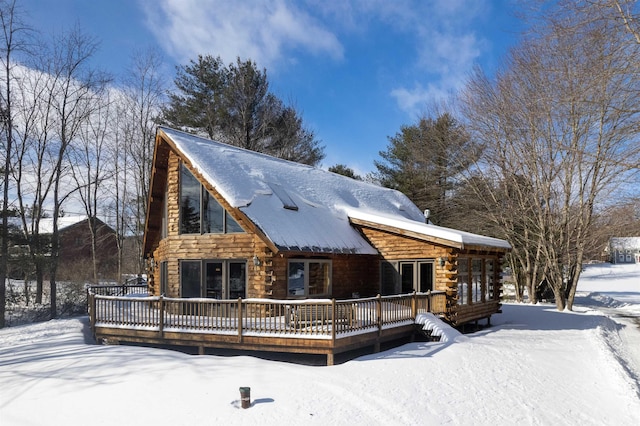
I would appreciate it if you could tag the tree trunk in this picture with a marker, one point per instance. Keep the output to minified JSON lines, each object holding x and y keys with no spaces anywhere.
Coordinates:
{"x":39,"y":282}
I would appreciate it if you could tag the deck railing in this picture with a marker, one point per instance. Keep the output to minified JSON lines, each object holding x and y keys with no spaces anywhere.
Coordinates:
{"x":316,"y":318}
{"x":119,"y":289}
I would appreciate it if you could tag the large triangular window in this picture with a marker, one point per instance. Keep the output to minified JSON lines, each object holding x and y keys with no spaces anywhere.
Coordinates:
{"x":200,"y":213}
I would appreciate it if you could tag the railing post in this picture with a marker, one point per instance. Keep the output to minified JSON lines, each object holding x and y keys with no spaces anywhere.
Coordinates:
{"x":428,"y":300}
{"x":414,"y":305}
{"x":333,"y":322}
{"x":379,"y":312}
{"x":92,"y":312}
{"x":239,"y":320}
{"x":161,"y":313}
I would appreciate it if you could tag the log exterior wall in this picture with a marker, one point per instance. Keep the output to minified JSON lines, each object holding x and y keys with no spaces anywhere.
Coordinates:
{"x":393,"y":247}
{"x":350,"y":274}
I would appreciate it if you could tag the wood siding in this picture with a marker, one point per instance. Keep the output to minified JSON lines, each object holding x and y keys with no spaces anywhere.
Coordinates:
{"x":393,"y":247}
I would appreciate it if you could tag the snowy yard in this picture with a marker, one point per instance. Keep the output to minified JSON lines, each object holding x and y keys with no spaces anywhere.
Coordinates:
{"x":534,"y":366}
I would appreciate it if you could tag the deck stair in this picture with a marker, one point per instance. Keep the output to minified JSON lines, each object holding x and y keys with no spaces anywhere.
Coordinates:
{"x":436,"y":330}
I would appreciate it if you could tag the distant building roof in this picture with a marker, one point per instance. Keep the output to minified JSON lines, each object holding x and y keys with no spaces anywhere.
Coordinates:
{"x":46,"y":224}
{"x":625,"y":243}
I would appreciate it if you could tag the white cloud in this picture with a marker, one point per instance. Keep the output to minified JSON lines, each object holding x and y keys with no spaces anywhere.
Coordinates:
{"x":446,"y":50}
{"x":414,"y":100}
{"x":273,"y":33}
{"x":265,"y":32}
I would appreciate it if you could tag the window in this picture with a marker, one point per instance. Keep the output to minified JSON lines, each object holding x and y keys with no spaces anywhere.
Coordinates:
{"x":164,"y":228}
{"x":463,"y":281}
{"x":490,"y":279}
{"x":309,"y":278}
{"x":164,"y":279}
{"x":476,"y":280}
{"x":190,"y":278}
{"x":407,"y":276}
{"x":476,"y":276}
{"x":389,"y":277}
{"x":217,"y":279}
{"x":200,"y":213}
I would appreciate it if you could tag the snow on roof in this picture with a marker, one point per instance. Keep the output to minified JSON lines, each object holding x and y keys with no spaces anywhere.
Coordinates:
{"x":46,"y":224}
{"x":625,"y":243}
{"x":300,"y":207}
{"x":461,"y":238}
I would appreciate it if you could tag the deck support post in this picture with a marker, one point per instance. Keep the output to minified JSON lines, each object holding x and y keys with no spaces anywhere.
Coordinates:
{"x":200,"y":350}
{"x":330,"y":359}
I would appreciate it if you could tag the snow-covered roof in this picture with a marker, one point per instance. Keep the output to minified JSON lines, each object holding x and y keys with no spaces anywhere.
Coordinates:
{"x":625,"y":243}
{"x":300,"y":207}
{"x":430,"y":231}
{"x":46,"y":224}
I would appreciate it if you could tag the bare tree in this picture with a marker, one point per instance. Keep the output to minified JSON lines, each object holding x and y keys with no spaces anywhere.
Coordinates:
{"x":626,"y":10}
{"x":143,"y":90}
{"x":77,"y":90}
{"x":13,"y":34}
{"x":559,"y":122}
{"x":90,"y":169}
{"x":122,"y":205}
{"x":57,"y":95}
{"x":31,"y":170}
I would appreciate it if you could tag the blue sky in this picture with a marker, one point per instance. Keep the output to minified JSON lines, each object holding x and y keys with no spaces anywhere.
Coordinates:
{"x":356,"y":70}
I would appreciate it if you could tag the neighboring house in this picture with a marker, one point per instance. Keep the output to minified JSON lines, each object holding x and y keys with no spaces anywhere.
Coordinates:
{"x":228,"y":223}
{"x":624,"y":250}
{"x":75,"y":260}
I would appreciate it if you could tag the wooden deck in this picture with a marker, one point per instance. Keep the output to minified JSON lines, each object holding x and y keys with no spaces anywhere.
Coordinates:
{"x":309,"y":326}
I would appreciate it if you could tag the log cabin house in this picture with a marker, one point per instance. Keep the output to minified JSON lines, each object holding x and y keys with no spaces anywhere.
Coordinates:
{"x":251,"y":252}
{"x":228,"y":223}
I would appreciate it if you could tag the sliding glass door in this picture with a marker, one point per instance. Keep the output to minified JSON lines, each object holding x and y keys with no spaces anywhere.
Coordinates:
{"x":217,"y":279}
{"x":417,"y":276}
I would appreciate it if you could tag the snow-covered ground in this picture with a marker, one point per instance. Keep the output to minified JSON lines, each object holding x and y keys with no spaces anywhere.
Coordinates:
{"x":533,"y":366}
